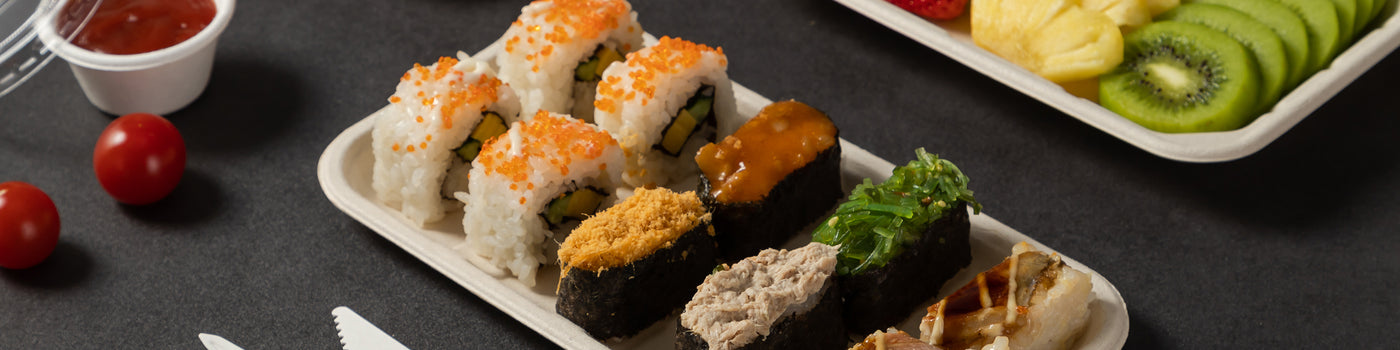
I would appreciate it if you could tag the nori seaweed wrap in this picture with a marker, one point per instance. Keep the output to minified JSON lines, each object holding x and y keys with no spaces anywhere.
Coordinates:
{"x":778,"y":173}
{"x":900,"y":240}
{"x":635,"y":263}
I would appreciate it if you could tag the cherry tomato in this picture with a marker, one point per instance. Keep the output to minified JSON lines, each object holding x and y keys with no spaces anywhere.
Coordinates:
{"x":139,"y":158}
{"x":28,"y":225}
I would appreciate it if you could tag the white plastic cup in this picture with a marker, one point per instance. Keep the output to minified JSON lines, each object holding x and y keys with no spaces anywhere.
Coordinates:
{"x":157,"y":82}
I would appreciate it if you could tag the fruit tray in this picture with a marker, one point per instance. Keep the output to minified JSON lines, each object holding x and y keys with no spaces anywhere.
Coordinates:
{"x":344,"y":172}
{"x":952,"y":39}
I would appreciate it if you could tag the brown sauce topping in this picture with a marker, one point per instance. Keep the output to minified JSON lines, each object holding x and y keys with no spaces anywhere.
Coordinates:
{"x":783,"y":137}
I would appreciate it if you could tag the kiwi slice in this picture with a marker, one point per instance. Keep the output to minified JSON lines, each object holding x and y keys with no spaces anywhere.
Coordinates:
{"x":1285,"y":23}
{"x":1182,"y":77}
{"x":1346,"y":21}
{"x":1261,"y":41}
{"x":1323,"y":30}
{"x":1364,"y":9}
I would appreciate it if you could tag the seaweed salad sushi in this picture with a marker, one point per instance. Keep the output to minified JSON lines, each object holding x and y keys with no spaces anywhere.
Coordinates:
{"x":900,"y":241}
{"x":634,"y":263}
{"x":778,"y":173}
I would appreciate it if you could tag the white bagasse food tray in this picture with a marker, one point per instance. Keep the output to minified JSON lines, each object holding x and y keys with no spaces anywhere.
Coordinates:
{"x":344,"y":172}
{"x":1200,"y":147}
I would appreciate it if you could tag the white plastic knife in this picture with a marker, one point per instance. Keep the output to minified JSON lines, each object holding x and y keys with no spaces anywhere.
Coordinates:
{"x":214,"y":342}
{"x":358,"y":334}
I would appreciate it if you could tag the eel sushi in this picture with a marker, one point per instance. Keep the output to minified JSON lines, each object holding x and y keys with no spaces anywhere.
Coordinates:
{"x":528,"y":183}
{"x":1030,"y":301}
{"x":778,"y":299}
{"x":633,"y":264}
{"x":425,"y":141}
{"x":778,"y":173}
{"x":900,"y":240}
{"x":556,"y":51}
{"x":661,"y":97}
{"x":892,"y":339}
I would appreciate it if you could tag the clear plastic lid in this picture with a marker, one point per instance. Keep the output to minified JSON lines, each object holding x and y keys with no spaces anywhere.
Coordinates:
{"x":21,"y":53}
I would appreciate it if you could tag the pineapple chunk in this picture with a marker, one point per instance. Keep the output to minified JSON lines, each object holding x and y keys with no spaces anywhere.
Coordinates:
{"x":1156,"y":7}
{"x":1056,"y":39}
{"x":1127,"y":13}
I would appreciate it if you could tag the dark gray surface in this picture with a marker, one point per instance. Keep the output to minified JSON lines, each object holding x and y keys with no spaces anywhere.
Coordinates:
{"x":1292,"y":247}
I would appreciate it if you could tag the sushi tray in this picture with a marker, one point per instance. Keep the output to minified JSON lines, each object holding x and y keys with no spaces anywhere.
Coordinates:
{"x":953,"y":39}
{"x":345,"y":169}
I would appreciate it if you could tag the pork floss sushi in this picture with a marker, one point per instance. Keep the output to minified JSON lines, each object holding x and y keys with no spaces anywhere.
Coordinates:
{"x":556,"y":51}
{"x":658,"y":99}
{"x":634,"y":263}
{"x":527,"y":182}
{"x":778,"y":299}
{"x":1030,"y":301}
{"x":423,"y":143}
{"x":778,"y":173}
{"x":900,"y":240}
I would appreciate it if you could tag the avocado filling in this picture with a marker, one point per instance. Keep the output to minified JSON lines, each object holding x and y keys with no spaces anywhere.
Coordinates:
{"x":491,"y":125}
{"x":573,"y":205}
{"x":696,"y":112}
{"x":592,"y":70}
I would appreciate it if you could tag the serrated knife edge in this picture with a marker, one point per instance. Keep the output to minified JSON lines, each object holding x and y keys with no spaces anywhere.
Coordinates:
{"x":356,"y":333}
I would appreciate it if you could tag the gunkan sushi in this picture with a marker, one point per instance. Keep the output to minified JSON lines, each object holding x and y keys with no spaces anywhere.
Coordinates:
{"x":656,"y":101}
{"x":1030,"y":301}
{"x":425,"y":141}
{"x":778,"y":173}
{"x":635,"y":262}
{"x":528,"y":182}
{"x":900,"y":240}
{"x":778,"y":299}
{"x":556,"y":51}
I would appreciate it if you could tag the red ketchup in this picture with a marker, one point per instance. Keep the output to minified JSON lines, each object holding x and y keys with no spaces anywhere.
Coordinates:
{"x":125,"y":27}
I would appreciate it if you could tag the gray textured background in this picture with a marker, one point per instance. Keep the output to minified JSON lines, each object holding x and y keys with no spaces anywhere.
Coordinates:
{"x":1292,"y":247}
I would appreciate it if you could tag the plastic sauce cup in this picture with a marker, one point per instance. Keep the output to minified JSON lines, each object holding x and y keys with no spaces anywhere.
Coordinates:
{"x":157,"y":82}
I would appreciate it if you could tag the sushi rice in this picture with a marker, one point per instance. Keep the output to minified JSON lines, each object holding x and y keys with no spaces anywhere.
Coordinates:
{"x":515,"y":178}
{"x":637,"y":100}
{"x":432,"y":112}
{"x":549,"y":40}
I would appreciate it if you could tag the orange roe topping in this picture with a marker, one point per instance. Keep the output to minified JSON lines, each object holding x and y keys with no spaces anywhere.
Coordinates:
{"x":669,"y":56}
{"x":396,"y":147}
{"x":451,"y":93}
{"x":514,"y":187}
{"x":569,"y":19}
{"x":554,"y":139}
{"x":528,"y":186}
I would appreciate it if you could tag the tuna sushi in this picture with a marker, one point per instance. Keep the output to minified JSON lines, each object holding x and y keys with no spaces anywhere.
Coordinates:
{"x":900,"y":240}
{"x":1030,"y":301}
{"x":527,"y":183}
{"x":425,"y":141}
{"x":658,"y":100}
{"x":634,"y":263}
{"x":556,"y":51}
{"x":778,"y":173}
{"x":778,"y":299}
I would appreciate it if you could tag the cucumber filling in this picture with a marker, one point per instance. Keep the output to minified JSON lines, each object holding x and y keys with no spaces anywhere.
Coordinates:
{"x":592,"y":69}
{"x":573,"y":205}
{"x":697,"y":111}
{"x":490,"y":126}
